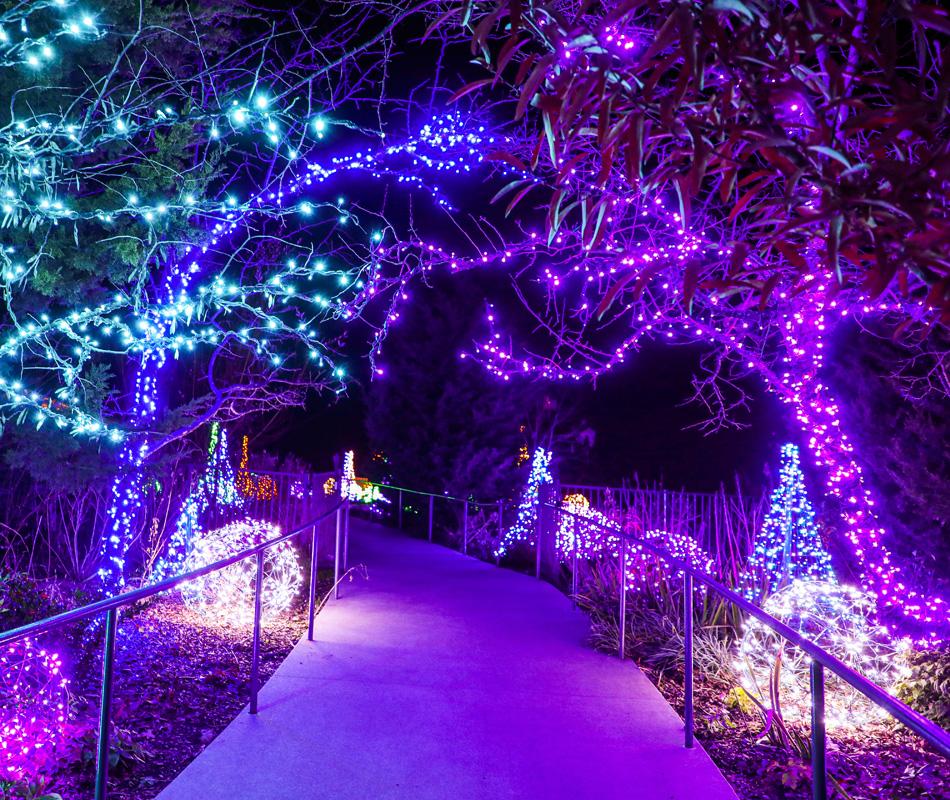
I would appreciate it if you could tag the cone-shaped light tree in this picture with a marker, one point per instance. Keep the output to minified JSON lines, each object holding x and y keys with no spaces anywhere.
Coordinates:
{"x":788,"y":546}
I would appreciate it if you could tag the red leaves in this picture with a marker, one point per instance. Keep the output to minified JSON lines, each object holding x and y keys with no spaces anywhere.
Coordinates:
{"x":468,"y":88}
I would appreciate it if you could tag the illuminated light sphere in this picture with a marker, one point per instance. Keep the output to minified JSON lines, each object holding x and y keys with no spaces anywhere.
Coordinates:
{"x":840,"y":620}
{"x":229,"y":593}
{"x":34,"y":702}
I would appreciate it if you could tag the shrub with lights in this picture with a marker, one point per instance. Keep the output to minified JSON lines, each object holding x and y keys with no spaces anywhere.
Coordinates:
{"x":228,"y":594}
{"x":789,"y":546}
{"x":588,"y":533}
{"x":525,"y":526}
{"x":583,"y":531}
{"x":34,"y":701}
{"x":838,"y":619}
{"x":648,"y":571}
{"x":255,"y":487}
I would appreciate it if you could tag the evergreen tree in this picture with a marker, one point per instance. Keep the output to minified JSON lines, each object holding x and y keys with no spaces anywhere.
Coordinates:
{"x":789,"y":546}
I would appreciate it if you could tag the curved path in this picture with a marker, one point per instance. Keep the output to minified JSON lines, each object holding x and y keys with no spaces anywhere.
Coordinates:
{"x":445,"y":678}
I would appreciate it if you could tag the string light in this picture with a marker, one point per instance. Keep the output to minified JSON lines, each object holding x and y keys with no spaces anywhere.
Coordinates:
{"x":839,"y":619}
{"x":357,"y":490}
{"x":214,"y":489}
{"x":525,"y":526}
{"x":788,"y":547}
{"x":228,"y":594}
{"x":256,"y":487}
{"x":586,"y":533}
{"x":34,"y":702}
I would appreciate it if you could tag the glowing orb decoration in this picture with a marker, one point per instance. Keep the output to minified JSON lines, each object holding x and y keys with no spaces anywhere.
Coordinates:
{"x":34,"y":699}
{"x":229,"y":593}
{"x":838,"y":619}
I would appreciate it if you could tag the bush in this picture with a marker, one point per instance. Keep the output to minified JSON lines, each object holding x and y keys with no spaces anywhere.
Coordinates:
{"x":23,"y":600}
{"x":927,"y":690}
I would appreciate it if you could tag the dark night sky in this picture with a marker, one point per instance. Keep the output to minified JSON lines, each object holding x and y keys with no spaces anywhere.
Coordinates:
{"x":640,"y":416}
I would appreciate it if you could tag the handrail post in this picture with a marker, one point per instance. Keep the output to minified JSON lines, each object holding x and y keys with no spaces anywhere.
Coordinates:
{"x":623,"y":596}
{"x":105,"y":709}
{"x":346,"y":534}
{"x":501,"y":526}
{"x":399,"y":511}
{"x":314,"y":545}
{"x":431,"y":508}
{"x":538,"y":534}
{"x":574,"y":567}
{"x":256,"y":646}
{"x":336,"y":555}
{"x":688,"y":656}
{"x":465,"y":527}
{"x":819,"y":768}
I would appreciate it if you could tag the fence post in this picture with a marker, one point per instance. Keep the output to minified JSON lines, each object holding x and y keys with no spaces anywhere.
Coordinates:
{"x":314,"y":546}
{"x":465,"y":527}
{"x":688,"y":656}
{"x":336,"y":555}
{"x":431,"y":508}
{"x":256,"y":647}
{"x":105,"y":709}
{"x":819,"y":769}
{"x":623,"y":596}
{"x":399,"y":511}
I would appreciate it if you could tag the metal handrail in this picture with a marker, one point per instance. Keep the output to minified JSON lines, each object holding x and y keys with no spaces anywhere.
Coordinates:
{"x":927,"y":729}
{"x":111,"y":605}
{"x":434,"y":494}
{"x":432,"y":497}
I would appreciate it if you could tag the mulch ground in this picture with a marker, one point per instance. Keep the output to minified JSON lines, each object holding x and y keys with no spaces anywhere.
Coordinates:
{"x":180,"y":679}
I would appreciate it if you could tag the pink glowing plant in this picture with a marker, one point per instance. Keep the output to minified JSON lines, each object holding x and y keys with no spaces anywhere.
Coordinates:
{"x":34,"y":704}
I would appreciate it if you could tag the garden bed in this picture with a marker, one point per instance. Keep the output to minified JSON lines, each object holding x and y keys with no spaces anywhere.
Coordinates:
{"x":875,"y":761}
{"x":181,"y":677}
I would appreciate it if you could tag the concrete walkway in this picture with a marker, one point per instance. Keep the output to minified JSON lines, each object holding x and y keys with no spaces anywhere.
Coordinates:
{"x":442,"y":677}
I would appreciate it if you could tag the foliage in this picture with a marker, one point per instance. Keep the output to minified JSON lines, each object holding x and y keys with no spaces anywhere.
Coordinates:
{"x":897,"y":417}
{"x":731,"y":174}
{"x":927,"y":686}
{"x":27,"y":790}
{"x":24,"y":599}
{"x":772,"y":124}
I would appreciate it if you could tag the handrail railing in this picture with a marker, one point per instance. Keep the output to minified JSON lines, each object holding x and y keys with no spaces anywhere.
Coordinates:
{"x":821,"y":658}
{"x":111,"y":605}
